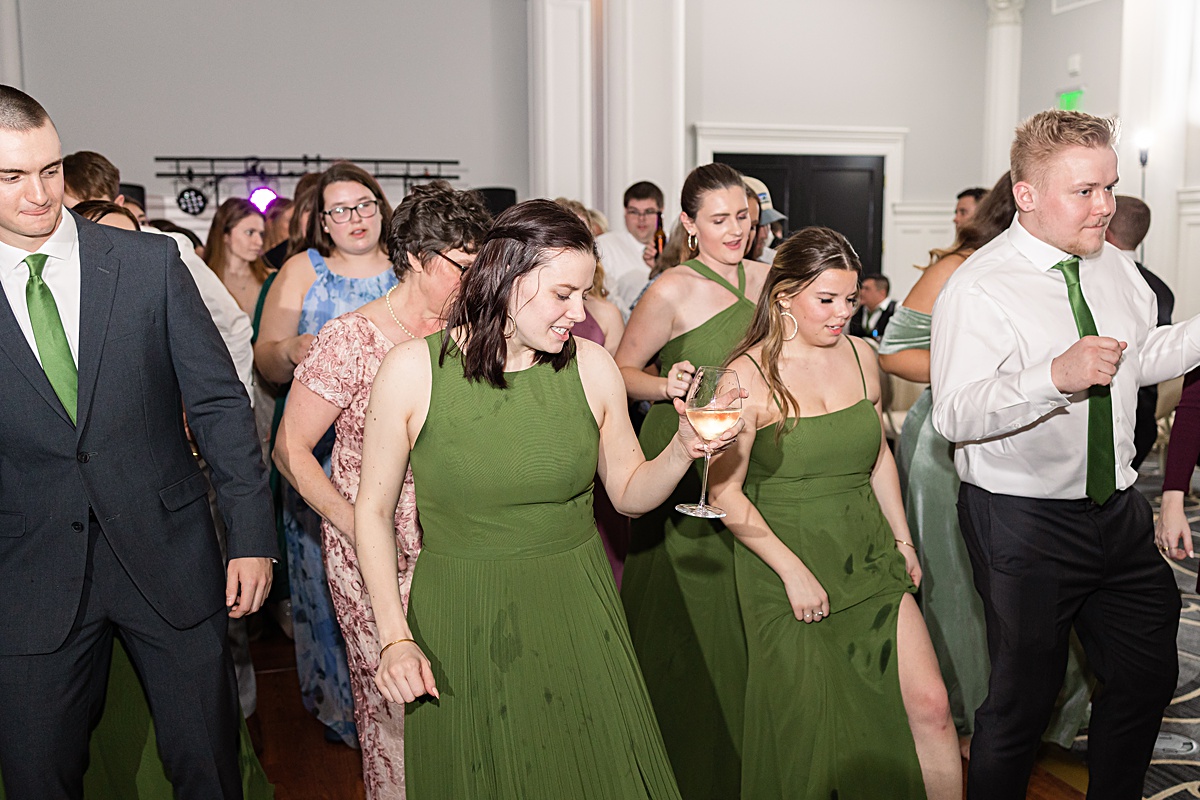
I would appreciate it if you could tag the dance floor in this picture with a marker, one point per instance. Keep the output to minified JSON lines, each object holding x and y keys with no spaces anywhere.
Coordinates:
{"x":303,"y":766}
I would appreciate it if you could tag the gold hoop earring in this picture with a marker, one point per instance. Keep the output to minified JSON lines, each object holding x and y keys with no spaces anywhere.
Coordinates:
{"x":795,"y":325}
{"x":508,"y":320}
{"x":692,"y":242}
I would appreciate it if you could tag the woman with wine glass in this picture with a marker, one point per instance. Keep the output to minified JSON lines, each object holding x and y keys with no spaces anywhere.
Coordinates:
{"x":514,"y":642}
{"x":843,"y":697}
{"x":678,"y":586}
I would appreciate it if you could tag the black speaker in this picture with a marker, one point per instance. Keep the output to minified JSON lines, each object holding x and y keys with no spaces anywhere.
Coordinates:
{"x":498,"y":198}
{"x":135,"y":192}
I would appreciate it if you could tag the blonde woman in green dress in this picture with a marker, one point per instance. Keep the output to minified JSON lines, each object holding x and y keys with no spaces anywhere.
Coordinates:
{"x":678,"y":586}
{"x":515,"y":659}
{"x":844,"y":697}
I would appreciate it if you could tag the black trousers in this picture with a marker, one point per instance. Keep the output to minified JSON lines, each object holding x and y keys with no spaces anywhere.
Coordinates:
{"x":50,"y":703}
{"x":1042,"y":566}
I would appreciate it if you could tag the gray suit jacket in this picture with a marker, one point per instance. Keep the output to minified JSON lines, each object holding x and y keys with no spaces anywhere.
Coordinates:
{"x":147,"y":349}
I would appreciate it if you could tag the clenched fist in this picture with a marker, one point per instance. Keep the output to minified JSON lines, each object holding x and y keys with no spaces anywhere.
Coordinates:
{"x":1092,"y":361}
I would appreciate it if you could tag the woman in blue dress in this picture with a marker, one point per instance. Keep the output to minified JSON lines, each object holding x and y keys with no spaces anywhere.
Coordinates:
{"x":346,"y":267}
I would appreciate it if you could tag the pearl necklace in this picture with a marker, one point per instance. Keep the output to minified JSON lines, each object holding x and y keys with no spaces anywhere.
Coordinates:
{"x":387,"y":298}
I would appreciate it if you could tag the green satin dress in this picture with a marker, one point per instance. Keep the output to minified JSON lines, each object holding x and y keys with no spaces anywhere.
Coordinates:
{"x":952,"y":608}
{"x":679,"y":592}
{"x":124,"y":760}
{"x":514,"y":603}
{"x":824,"y":713}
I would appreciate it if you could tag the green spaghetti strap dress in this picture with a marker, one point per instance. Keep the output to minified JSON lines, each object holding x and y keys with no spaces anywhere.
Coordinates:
{"x":824,"y":714}
{"x":679,"y":594}
{"x":514,"y":603}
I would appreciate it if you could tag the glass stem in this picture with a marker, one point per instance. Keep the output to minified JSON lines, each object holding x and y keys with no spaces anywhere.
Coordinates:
{"x":704,"y":480}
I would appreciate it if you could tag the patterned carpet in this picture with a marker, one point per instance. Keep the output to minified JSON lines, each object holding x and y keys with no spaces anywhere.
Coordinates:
{"x":1173,"y":775}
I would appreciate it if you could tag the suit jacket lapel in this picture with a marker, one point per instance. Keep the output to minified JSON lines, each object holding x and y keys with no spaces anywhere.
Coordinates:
{"x":14,"y":344}
{"x":97,"y":287}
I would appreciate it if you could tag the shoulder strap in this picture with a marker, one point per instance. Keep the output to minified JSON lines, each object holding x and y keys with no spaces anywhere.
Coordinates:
{"x":705,"y":271}
{"x":858,"y":360}
{"x":317,"y":261}
{"x":258,"y":306}
{"x":760,"y":372}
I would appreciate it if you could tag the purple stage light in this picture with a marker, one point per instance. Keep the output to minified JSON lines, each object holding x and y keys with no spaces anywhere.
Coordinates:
{"x":262,"y":197}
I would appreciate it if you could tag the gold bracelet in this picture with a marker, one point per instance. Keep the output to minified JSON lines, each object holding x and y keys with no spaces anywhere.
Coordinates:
{"x":398,"y":641}
{"x":898,"y":541}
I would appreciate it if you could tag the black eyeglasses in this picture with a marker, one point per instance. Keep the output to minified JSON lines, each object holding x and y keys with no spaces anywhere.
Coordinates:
{"x":649,"y":212}
{"x":461,"y":268}
{"x":365,"y":210}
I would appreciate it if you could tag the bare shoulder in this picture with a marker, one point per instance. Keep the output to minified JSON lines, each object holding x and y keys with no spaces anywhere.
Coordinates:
{"x":593,"y":358}
{"x":297,"y":271}
{"x":757,"y":406}
{"x":923,"y":295}
{"x":869,"y":361}
{"x":756,"y":277}
{"x":406,"y":367}
{"x":605,"y":312}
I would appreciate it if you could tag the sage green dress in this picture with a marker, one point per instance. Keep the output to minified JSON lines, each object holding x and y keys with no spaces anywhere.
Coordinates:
{"x":679,"y":592}
{"x":514,"y":603}
{"x":824,"y":714}
{"x":952,"y":608}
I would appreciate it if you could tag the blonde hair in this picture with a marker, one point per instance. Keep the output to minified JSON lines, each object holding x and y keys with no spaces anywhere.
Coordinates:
{"x":580,"y":210}
{"x":799,"y":261}
{"x":1047,"y":133}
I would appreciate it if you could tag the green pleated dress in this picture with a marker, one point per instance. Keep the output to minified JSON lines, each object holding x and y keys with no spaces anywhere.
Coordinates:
{"x":679,"y":594}
{"x":952,"y":608}
{"x":514,"y":603}
{"x":824,"y":714}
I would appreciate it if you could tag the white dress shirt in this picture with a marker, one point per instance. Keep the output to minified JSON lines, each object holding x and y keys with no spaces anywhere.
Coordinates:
{"x":61,"y":274}
{"x":625,"y":272}
{"x":1001,"y":319}
{"x":873,"y":316}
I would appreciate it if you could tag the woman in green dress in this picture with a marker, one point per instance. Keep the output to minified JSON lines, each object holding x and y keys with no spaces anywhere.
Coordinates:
{"x":953,"y":610}
{"x":678,"y":586}
{"x":844,"y":698}
{"x":515,"y":659}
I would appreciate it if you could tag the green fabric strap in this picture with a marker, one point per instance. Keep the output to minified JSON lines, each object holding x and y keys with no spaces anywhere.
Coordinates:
{"x":1101,"y":456}
{"x":51,"y":339}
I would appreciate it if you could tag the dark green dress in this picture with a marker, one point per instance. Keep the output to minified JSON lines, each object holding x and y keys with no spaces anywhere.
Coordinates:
{"x":679,"y":594}
{"x":514,"y":603}
{"x":824,"y":714}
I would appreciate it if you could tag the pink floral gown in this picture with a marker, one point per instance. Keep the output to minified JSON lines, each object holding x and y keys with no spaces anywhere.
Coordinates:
{"x":340,"y":368}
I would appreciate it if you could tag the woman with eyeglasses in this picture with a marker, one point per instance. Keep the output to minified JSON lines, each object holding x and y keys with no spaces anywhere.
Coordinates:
{"x":432,"y":239}
{"x":346,"y":267}
{"x":678,"y":585}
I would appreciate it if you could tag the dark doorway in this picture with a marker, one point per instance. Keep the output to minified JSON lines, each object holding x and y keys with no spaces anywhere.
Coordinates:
{"x":840,"y":192}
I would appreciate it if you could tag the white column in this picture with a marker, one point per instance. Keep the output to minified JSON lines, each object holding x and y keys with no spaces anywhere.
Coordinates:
{"x":10,"y":45}
{"x":644,"y":134}
{"x":1002,"y":87}
{"x":561,"y":96}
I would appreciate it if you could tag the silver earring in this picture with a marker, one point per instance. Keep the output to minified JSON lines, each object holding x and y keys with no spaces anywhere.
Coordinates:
{"x":795,"y":325}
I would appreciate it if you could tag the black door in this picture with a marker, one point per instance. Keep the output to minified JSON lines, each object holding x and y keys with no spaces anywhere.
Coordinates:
{"x":840,"y":192}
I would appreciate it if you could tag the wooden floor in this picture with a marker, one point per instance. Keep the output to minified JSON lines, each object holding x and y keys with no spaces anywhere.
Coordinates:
{"x":304,"y":766}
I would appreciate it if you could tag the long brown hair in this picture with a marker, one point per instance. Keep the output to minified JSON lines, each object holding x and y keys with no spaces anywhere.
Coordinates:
{"x":798,"y":262}
{"x":298,"y":225}
{"x":521,"y":241}
{"x":228,"y":215}
{"x":318,"y":239}
{"x":992,"y":217}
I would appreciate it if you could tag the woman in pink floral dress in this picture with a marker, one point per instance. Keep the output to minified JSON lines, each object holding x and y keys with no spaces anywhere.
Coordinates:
{"x":431,"y":241}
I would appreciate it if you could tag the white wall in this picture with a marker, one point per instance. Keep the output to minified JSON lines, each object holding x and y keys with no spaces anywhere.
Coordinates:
{"x":1091,"y":32}
{"x":139,"y":78}
{"x":916,"y":64}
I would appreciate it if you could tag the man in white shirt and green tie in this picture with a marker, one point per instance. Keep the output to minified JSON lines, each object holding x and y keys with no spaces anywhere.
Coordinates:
{"x":1040,"y":342}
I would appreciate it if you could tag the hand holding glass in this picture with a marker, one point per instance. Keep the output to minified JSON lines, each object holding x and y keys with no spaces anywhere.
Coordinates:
{"x":714,"y":405}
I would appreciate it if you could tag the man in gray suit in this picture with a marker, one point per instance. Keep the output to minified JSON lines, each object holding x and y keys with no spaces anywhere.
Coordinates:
{"x":104,"y":522}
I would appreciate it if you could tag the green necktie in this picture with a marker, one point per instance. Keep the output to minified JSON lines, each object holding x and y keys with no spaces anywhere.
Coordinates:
{"x":51,"y":339}
{"x":1101,"y":458}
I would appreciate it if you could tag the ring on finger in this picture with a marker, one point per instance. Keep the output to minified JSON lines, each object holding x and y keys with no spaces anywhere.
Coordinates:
{"x":678,"y":376}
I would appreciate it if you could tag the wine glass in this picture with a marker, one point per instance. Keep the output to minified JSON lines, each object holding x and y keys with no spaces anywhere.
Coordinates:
{"x":714,"y":404}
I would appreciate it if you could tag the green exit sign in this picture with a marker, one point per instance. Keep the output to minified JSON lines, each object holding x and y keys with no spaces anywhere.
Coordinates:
{"x":1069,"y":101}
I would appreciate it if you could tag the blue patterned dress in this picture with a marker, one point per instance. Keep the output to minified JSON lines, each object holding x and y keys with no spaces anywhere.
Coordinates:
{"x":320,"y":649}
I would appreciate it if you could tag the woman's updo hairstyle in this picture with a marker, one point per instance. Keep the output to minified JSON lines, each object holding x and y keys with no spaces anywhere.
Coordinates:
{"x":522,"y":240}
{"x":702,"y":180}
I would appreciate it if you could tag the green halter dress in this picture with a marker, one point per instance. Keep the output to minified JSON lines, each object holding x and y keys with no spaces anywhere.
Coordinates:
{"x":824,"y":714}
{"x":679,"y":594}
{"x":514,"y":603}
